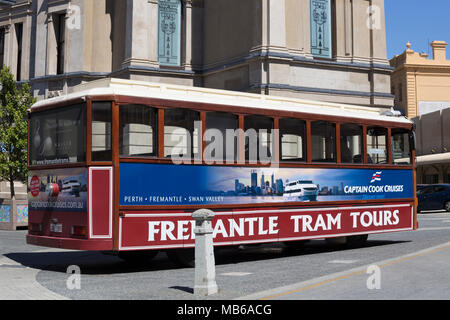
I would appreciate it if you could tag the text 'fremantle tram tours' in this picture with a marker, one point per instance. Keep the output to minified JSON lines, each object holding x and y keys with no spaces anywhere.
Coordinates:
{"x":120,"y":166}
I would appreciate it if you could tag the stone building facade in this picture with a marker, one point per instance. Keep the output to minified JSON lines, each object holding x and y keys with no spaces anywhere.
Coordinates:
{"x":421,"y":85}
{"x":331,"y":50}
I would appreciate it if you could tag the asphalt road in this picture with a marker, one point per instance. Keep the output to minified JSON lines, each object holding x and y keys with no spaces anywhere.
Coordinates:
{"x":405,"y":265}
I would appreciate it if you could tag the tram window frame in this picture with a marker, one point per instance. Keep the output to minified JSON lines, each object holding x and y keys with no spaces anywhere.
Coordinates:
{"x":101,"y":112}
{"x":193,"y":145}
{"x":371,"y":156}
{"x":406,"y":135}
{"x":348,"y":154}
{"x":230,"y":150}
{"x":49,"y":137}
{"x":253,"y":135}
{"x":150,"y":134}
{"x":329,"y":135}
{"x":292,"y":127}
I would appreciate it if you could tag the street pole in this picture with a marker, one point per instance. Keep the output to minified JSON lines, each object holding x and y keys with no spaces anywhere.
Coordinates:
{"x":205,"y":269}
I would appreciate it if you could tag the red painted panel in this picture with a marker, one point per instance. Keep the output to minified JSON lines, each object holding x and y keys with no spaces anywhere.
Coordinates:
{"x":70,"y":243}
{"x":66,"y":219}
{"x":147,"y":230}
{"x":100,"y":206}
{"x":159,"y":230}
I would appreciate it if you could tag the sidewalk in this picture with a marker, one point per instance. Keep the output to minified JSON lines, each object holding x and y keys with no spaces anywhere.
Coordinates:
{"x":18,"y":282}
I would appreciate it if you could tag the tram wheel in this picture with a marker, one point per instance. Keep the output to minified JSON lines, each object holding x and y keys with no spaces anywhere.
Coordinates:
{"x":137,"y":256}
{"x":357,"y":241}
{"x":182,"y":257}
{"x":299,"y":244}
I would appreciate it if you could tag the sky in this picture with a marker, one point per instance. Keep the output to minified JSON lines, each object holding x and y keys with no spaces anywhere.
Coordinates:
{"x":417,"y":21}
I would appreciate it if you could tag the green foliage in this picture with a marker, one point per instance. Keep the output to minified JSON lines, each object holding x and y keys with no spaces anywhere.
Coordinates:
{"x":15,"y":101}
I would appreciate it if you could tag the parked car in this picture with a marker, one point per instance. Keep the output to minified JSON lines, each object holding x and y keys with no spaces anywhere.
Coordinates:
{"x":434,"y":197}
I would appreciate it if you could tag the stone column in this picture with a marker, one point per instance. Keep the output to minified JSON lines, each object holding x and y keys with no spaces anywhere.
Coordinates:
{"x":277,"y":25}
{"x":51,"y":46}
{"x":188,"y":34}
{"x":7,"y":50}
{"x":141,"y":33}
{"x":205,"y":270}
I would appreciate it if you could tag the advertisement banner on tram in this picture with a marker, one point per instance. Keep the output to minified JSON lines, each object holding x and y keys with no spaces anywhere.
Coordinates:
{"x":168,"y":185}
{"x":58,"y":190}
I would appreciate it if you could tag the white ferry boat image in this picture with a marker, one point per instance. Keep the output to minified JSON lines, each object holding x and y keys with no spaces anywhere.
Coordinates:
{"x":301,"y":190}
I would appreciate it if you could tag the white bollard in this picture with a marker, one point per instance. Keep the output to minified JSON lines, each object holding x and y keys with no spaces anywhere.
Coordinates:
{"x":205,"y":269}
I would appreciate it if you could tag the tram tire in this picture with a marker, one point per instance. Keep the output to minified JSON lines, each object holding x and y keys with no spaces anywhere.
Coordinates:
{"x":182,"y":257}
{"x":357,"y":241}
{"x":136,"y":257}
{"x":337,"y":241}
{"x":295,"y":244}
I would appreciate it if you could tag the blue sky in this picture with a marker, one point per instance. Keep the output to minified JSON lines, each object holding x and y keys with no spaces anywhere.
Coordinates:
{"x":418,"y":22}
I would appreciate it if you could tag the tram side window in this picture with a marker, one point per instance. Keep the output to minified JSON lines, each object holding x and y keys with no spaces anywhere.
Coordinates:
{"x":58,"y":136}
{"x":401,"y":148}
{"x":351,"y":143}
{"x":181,"y":133}
{"x":293,"y":139}
{"x":377,"y":145}
{"x":101,"y":131}
{"x":323,"y":141}
{"x":138,"y":131}
{"x":221,"y":137}
{"x":258,"y":138}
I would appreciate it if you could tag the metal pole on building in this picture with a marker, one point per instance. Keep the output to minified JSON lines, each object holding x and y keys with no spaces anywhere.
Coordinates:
{"x":205,"y":269}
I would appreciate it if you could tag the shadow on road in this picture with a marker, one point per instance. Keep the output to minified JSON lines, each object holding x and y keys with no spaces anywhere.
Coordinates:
{"x":97,"y":263}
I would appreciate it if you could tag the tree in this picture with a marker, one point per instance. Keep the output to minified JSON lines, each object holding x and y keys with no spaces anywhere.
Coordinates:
{"x":15,"y":100}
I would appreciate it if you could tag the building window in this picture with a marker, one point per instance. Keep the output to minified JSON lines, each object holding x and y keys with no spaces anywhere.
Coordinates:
{"x":169,"y":32}
{"x":19,"y":35}
{"x":60,"y":30}
{"x":431,"y":178}
{"x":321,"y":39}
{"x":2,"y":47}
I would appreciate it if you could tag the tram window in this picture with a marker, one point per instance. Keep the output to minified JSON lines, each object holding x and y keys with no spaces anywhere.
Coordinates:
{"x":221,"y":137}
{"x":58,"y":136}
{"x":138,"y":131}
{"x":323,"y":141}
{"x":258,"y":138}
{"x":101,"y":131}
{"x":401,"y":148}
{"x":181,"y":133}
{"x":293,"y":140}
{"x":377,"y":145}
{"x":351,"y":143}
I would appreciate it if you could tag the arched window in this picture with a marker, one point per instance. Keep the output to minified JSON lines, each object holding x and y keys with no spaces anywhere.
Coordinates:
{"x":321,"y":38}
{"x":169,"y":32}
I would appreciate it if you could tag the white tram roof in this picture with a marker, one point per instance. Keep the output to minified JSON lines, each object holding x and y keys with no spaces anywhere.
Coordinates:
{"x":142,"y":89}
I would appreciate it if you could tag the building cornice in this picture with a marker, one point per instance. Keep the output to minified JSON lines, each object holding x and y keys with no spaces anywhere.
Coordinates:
{"x":295,"y":60}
